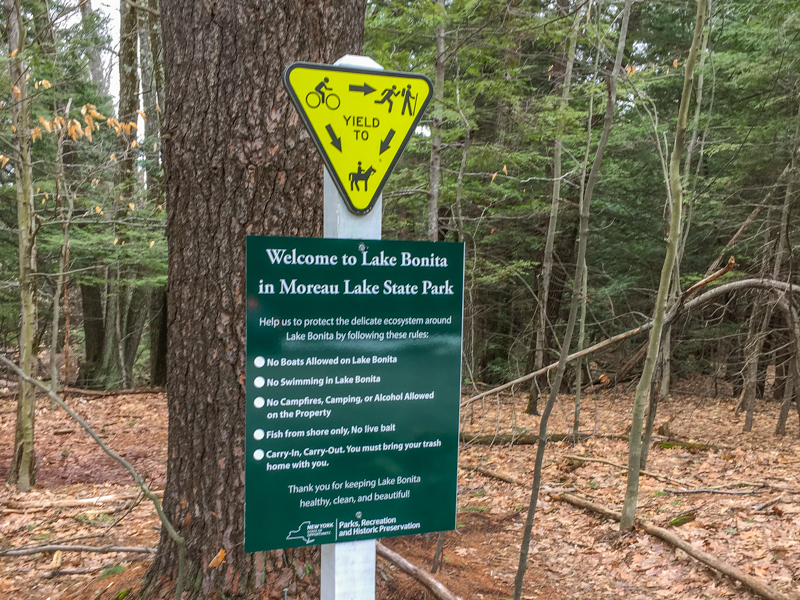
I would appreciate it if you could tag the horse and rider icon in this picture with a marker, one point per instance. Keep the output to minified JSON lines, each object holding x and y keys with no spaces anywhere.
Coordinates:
{"x":408,"y":97}
{"x":360,"y":175}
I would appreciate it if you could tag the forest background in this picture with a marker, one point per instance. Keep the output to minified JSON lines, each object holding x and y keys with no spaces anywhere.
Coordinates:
{"x":677,"y":123}
{"x":500,"y":161}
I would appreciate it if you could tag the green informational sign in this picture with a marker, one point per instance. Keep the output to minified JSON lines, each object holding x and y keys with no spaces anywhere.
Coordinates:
{"x":353,"y":389}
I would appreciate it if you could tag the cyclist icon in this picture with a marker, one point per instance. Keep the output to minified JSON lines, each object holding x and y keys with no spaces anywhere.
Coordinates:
{"x":318,"y":97}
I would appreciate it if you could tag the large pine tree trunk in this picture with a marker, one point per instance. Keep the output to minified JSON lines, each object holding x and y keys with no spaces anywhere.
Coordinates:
{"x":237,"y":161}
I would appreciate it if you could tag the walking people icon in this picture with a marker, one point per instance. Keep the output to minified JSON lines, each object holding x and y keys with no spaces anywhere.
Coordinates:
{"x":388,"y":94}
{"x":360,"y":175}
{"x":407,"y":97}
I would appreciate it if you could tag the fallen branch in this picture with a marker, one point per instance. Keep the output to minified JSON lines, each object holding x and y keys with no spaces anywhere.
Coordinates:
{"x":755,"y":584}
{"x":768,"y":503}
{"x":523,"y":439}
{"x":629,"y":365}
{"x":493,"y":474}
{"x":425,"y":578}
{"x":106,"y":393}
{"x":76,"y":571}
{"x":709,"y":491}
{"x":619,"y":466}
{"x":572,"y":357}
{"x":670,"y":444}
{"x":99,"y":393}
{"x":712,"y":294}
{"x":71,"y":502}
{"x":77,"y":548}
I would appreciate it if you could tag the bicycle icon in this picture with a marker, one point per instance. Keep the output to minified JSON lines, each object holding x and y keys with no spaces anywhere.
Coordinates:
{"x":314,"y":99}
{"x":319,"y":96}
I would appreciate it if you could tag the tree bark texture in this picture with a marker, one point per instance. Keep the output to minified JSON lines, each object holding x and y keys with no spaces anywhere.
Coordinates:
{"x":237,"y":161}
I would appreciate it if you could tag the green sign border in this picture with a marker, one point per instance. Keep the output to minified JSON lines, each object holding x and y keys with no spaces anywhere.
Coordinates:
{"x":433,"y":506}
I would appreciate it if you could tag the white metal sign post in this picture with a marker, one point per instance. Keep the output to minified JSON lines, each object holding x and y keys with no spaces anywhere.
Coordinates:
{"x":348,"y":568}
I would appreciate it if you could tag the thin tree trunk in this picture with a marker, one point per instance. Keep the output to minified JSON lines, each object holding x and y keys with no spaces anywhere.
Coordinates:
{"x":152,"y":91}
{"x":676,"y":192}
{"x":789,"y":395}
{"x":463,"y":167}
{"x":576,"y":420}
{"x":158,"y":338}
{"x":23,"y":466}
{"x":62,"y":262}
{"x":585,"y":205}
{"x":90,"y":20}
{"x":660,"y":392}
{"x":755,"y":343}
{"x":437,"y":554}
{"x":552,"y":224}
{"x":91,"y":294}
{"x":436,"y":126}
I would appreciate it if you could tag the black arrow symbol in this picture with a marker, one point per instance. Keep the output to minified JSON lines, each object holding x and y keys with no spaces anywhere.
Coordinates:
{"x":367,"y":89}
{"x":336,"y":142}
{"x":385,"y":143}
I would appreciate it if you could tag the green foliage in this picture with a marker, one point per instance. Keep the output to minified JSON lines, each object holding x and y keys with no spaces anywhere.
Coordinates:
{"x":115,"y":233}
{"x":503,"y":63}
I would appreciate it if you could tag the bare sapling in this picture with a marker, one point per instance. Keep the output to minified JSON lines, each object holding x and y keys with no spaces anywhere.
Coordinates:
{"x":676,"y":193}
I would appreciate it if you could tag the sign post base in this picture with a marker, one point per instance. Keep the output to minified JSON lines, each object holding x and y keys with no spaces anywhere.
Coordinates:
{"x":348,"y":571}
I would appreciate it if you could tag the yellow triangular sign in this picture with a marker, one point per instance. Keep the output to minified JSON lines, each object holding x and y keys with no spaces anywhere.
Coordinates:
{"x":360,"y":119}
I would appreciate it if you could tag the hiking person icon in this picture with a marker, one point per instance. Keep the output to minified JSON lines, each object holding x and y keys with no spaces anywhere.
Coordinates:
{"x":360,"y":175}
{"x":388,"y":94}
{"x":407,"y":97}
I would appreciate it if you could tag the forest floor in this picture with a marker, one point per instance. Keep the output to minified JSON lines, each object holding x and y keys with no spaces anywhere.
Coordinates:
{"x":573,"y":554}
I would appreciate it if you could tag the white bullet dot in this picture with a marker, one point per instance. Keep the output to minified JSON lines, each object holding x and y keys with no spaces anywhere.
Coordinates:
{"x":259,"y":402}
{"x":259,"y":382}
{"x":258,"y":434}
{"x":258,"y":454}
{"x":259,"y":361}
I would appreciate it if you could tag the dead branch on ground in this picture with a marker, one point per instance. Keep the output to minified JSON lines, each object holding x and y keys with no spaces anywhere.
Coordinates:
{"x":77,"y":548}
{"x":755,"y":584}
{"x":493,"y":474}
{"x":710,"y":491}
{"x":422,"y":576}
{"x":620,"y":466}
{"x":72,"y":502}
